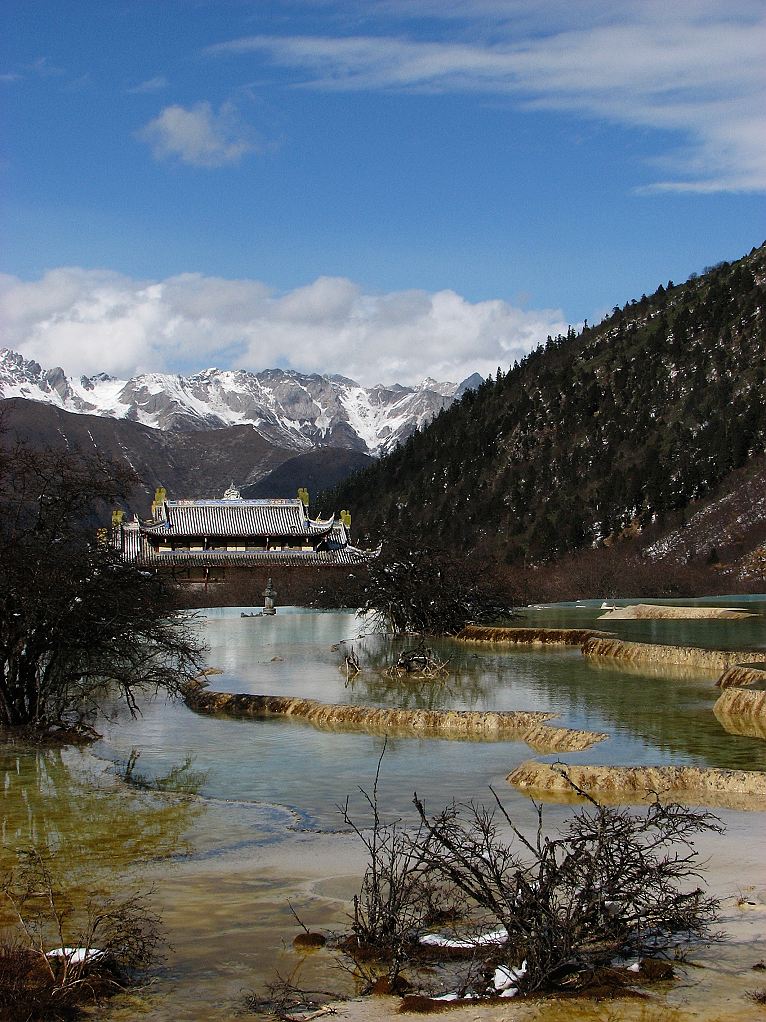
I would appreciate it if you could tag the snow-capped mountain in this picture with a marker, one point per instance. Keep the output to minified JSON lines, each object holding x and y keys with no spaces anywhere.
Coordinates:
{"x":288,"y":408}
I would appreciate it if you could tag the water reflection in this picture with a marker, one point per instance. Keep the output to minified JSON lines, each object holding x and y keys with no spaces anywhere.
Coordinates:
{"x":658,"y":715}
{"x":59,"y":802}
{"x":225,"y":864}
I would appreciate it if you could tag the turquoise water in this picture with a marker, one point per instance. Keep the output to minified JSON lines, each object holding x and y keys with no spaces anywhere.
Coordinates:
{"x":652,"y":716}
{"x":266,"y":832}
{"x":749,"y":633}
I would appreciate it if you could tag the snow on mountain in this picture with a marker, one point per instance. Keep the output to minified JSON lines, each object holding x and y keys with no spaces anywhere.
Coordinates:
{"x":293,"y":410}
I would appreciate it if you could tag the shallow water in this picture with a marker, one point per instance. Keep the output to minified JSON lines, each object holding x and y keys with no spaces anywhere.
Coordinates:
{"x":652,"y":716}
{"x":265,"y":825}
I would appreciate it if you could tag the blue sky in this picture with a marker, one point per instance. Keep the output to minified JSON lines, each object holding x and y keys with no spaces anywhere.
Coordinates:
{"x":387,"y":189}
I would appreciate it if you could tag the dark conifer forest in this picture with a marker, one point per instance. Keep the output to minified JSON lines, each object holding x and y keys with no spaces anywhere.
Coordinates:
{"x":611,"y":431}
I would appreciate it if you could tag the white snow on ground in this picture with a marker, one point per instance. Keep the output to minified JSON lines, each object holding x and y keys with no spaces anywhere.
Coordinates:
{"x":75,"y":955}
{"x":465,"y":943}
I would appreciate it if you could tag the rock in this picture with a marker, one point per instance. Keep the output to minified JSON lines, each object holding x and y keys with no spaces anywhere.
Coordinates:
{"x":652,"y":612}
{"x":742,"y":711}
{"x":309,"y":940}
{"x":739,"y":789}
{"x":655,"y":969}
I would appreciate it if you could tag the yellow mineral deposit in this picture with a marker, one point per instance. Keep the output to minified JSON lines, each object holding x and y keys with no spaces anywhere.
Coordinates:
{"x":736,"y":789}
{"x":654,"y":612}
{"x":525,"y":725}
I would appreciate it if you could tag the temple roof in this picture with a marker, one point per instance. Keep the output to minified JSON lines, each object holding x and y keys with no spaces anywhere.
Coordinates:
{"x":236,"y":518}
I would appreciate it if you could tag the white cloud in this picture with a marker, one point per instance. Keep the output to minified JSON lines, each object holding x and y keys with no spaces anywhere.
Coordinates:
{"x":198,"y":135}
{"x":694,"y":69}
{"x":93,"y":320}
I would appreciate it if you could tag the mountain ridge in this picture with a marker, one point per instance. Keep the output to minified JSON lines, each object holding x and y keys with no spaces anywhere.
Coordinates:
{"x":622,"y":429}
{"x":293,"y":410}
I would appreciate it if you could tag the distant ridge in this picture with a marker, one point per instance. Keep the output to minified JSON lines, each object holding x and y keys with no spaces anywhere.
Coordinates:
{"x":294,"y":411}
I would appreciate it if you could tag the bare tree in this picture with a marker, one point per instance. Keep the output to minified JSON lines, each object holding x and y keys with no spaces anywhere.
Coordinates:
{"x":76,"y":621}
{"x":398,"y":893}
{"x":432,"y":592}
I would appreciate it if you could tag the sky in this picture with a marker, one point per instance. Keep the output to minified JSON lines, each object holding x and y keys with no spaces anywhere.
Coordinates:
{"x":385,"y":189}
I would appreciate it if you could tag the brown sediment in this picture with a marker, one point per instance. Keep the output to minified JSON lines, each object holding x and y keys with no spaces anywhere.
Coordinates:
{"x":528,"y":636}
{"x":525,"y":725}
{"x":742,"y":711}
{"x":743,"y":677}
{"x":545,"y":738}
{"x":716,"y":659}
{"x":649,"y":669}
{"x":737,"y":789}
{"x":309,"y":940}
{"x":651,"y":612}
{"x":489,"y":724}
{"x":422,"y":1004}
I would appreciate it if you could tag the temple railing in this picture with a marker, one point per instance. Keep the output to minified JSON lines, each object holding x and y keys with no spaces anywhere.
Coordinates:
{"x":251,"y":558}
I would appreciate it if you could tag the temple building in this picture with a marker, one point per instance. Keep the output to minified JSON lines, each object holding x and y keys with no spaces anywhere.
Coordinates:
{"x":199,"y":539}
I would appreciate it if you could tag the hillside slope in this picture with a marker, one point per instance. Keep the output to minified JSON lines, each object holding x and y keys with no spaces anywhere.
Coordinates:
{"x":189,"y":465}
{"x":315,"y":470}
{"x":616,"y":429}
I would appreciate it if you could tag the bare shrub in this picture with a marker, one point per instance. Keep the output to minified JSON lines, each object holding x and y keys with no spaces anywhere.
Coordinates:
{"x":538,"y":913}
{"x":419,"y":662}
{"x":614,"y":885}
{"x":284,"y":1000}
{"x":398,"y":894}
{"x":68,"y":951}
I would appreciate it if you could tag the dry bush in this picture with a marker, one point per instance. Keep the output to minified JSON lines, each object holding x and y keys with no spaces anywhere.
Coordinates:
{"x":399,"y":894}
{"x":114,"y":937}
{"x":615,"y":885}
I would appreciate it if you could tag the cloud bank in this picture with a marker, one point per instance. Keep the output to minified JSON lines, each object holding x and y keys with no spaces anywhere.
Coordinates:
{"x":90,"y":321}
{"x":694,"y":69}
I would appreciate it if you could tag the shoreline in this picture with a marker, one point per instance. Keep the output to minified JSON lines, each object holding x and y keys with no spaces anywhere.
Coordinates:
{"x":320,"y":872}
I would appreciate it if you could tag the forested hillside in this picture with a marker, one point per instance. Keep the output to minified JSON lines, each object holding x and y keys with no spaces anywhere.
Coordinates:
{"x":610,"y":430}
